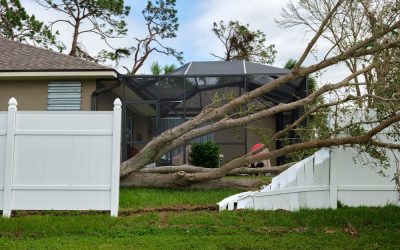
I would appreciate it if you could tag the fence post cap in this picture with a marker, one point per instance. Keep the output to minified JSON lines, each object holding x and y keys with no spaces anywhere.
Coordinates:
{"x":117,"y":102}
{"x":12,"y":102}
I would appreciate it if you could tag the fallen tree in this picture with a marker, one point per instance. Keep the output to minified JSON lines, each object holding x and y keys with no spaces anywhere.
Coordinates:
{"x":238,"y":171}
{"x":379,"y":45}
{"x":146,"y":177}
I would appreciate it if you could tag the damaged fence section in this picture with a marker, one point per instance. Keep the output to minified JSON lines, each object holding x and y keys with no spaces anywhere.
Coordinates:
{"x":324,"y":180}
{"x":59,"y":160}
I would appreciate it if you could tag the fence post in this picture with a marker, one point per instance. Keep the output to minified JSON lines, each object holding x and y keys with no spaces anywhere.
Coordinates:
{"x":116,"y":157}
{"x":333,"y":188}
{"x":9,"y":163}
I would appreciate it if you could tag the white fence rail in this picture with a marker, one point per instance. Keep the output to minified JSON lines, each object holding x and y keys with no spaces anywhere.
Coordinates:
{"x":59,"y":160}
{"x":321,"y":181}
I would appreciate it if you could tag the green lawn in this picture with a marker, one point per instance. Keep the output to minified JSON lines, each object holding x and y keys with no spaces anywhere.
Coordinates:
{"x":345,"y":228}
{"x":143,"y":198}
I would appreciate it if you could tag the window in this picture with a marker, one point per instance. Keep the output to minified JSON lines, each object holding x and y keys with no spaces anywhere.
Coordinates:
{"x":64,"y":96}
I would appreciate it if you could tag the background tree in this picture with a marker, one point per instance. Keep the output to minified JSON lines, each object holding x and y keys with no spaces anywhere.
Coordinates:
{"x":225,"y":115}
{"x":240,"y":43}
{"x":162,"y":23}
{"x":104,"y":18}
{"x":290,"y":64}
{"x":360,"y":19}
{"x":17,"y":25}
{"x":169,"y":68}
{"x":156,"y":69}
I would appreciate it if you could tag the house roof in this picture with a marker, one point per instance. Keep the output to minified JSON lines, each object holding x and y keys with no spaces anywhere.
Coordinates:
{"x":18,"y":57}
{"x":231,"y":68}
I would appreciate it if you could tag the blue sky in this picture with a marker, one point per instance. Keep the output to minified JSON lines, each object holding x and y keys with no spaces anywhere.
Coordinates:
{"x":195,"y":38}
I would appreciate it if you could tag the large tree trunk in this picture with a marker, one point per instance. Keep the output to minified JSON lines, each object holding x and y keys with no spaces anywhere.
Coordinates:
{"x":238,"y":171}
{"x":74,"y":42}
{"x":174,"y":177}
{"x":177,"y":181}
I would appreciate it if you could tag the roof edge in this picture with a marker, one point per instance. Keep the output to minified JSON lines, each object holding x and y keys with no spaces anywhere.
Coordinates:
{"x":53,"y":74}
{"x":205,"y":75}
{"x":60,"y":70}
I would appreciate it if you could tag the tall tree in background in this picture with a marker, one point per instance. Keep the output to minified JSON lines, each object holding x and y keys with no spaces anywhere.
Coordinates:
{"x":17,"y":25}
{"x":104,"y":18}
{"x":162,"y":23}
{"x":240,"y":43}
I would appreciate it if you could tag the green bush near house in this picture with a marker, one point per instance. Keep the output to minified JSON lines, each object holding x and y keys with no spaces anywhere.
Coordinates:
{"x":205,"y":154}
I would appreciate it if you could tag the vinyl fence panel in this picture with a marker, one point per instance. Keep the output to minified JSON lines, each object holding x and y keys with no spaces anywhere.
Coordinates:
{"x":3,"y":142}
{"x":61,"y":160}
{"x":323,"y":180}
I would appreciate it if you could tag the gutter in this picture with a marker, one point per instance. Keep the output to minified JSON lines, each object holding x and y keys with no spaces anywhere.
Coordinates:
{"x":97,"y":92}
{"x":58,"y":74}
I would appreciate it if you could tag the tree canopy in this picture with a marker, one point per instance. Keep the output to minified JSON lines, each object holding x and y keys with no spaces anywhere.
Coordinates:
{"x":162,"y":23}
{"x":156,"y":68}
{"x":241,"y":43}
{"x":105,"y":18}
{"x":354,"y":21}
{"x":16,"y":24}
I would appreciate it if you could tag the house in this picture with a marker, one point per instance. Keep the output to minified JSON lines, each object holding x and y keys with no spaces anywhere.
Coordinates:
{"x":42,"y":79}
{"x":45,"y":80}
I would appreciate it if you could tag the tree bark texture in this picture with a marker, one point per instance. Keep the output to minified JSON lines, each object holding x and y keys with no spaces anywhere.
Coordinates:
{"x":178,"y":181}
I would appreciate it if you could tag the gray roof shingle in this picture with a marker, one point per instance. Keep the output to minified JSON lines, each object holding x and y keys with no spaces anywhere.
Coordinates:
{"x":15,"y":56}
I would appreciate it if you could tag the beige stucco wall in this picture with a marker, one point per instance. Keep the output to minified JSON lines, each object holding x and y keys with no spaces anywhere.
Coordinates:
{"x":88,"y":86}
{"x":32,"y":94}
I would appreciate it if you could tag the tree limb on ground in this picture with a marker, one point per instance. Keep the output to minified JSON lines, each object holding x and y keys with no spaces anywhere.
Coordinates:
{"x":238,"y":171}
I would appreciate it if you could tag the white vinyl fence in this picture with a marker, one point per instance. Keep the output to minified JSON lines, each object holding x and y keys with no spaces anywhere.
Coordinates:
{"x":59,"y":160}
{"x":321,"y":181}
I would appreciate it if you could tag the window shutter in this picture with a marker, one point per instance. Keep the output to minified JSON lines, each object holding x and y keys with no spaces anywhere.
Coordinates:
{"x":64,"y":96}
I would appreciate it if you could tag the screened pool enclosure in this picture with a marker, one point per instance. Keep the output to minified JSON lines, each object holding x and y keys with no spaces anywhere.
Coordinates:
{"x":153,"y":104}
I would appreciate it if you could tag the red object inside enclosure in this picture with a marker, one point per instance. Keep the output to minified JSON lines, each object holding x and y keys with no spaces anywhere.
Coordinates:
{"x":257,"y":146}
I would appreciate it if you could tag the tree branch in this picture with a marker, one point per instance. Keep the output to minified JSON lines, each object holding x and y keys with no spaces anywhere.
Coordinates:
{"x":317,"y":35}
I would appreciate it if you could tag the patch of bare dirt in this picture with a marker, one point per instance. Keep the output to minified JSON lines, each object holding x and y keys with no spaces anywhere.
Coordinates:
{"x":180,"y":208}
{"x":163,"y":219}
{"x":129,"y":212}
{"x":350,"y":229}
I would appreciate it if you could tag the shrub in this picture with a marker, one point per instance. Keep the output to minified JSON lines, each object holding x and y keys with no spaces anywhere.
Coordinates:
{"x":205,"y":154}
